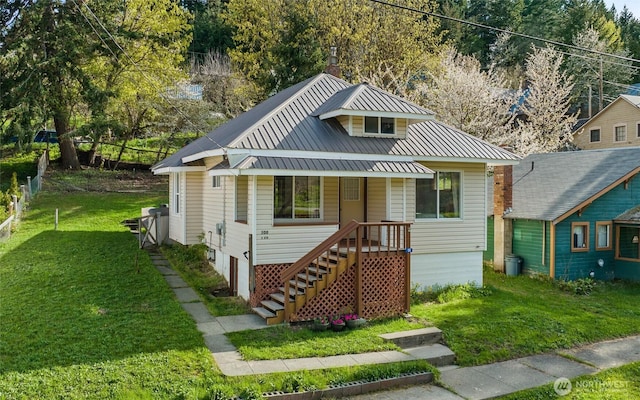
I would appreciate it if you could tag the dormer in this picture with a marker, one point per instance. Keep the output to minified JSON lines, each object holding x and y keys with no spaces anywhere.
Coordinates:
{"x":366,"y":111}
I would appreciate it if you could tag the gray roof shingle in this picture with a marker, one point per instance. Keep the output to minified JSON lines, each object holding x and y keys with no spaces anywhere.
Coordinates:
{"x":546,"y":186}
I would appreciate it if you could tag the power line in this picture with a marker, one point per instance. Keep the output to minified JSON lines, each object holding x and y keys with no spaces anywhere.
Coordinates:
{"x":524,"y":35}
{"x":135,"y":64}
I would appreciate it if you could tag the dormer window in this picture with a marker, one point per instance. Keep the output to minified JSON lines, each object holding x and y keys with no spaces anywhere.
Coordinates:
{"x":380,"y":125}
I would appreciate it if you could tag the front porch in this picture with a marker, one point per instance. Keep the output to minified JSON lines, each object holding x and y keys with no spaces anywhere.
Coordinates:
{"x":362,"y":268}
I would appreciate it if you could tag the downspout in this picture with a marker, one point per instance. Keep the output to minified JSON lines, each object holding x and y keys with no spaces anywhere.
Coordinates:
{"x":552,"y":251}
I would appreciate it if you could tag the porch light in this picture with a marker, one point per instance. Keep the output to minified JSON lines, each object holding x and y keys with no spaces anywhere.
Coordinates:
{"x":600,"y":262}
{"x":635,"y":239}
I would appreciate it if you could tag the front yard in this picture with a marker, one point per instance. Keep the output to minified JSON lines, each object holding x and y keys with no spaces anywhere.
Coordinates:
{"x":86,"y":315}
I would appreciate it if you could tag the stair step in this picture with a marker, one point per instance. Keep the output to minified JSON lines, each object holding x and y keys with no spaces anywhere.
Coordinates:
{"x":318,"y":270}
{"x":299,"y":285}
{"x":414,"y":337}
{"x":435,"y":354}
{"x":311,"y":278}
{"x":279,"y":297}
{"x":263,"y":312}
{"x":272,"y":306}
{"x":292,"y":291}
{"x":325,"y":263}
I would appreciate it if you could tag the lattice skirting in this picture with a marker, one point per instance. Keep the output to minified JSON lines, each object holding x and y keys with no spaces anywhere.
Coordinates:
{"x":383,"y":289}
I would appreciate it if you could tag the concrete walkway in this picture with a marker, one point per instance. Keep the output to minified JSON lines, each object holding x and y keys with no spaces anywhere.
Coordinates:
{"x":481,"y":382}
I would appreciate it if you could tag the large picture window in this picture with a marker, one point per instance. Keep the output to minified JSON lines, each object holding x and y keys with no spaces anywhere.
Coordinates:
{"x":439,"y":197}
{"x":296,"y":197}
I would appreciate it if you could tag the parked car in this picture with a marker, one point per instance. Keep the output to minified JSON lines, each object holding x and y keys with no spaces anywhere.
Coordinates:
{"x":45,"y":136}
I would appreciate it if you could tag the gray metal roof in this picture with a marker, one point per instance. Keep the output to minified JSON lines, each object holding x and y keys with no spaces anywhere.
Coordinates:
{"x":546,"y":186}
{"x":289,"y":121}
{"x":400,"y":168}
{"x":364,"y":97}
{"x":635,"y":100}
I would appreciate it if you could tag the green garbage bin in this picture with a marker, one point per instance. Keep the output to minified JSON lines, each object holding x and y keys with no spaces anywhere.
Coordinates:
{"x":512,"y":264}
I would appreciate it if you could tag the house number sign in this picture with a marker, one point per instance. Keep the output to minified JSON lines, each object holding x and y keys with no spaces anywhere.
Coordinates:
{"x":264,"y":234}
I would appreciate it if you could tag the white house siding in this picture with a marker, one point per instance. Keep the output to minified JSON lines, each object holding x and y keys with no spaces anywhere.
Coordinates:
{"x":376,"y":199}
{"x":442,"y":269}
{"x":212,"y":210}
{"x":452,"y":235}
{"x":284,"y":243}
{"x":397,"y":203}
{"x":192,"y":200}
{"x":222,"y":267}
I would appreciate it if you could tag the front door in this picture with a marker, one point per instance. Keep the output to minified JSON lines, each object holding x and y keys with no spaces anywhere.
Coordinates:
{"x":352,"y":200}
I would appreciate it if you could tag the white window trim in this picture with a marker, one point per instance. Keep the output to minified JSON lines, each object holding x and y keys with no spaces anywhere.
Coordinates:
{"x":293,"y":219}
{"x":594,"y":128}
{"x":177,"y":193}
{"x":438,"y":219}
{"x":379,"y":133}
{"x":216,"y":182}
{"x":626,"y":133}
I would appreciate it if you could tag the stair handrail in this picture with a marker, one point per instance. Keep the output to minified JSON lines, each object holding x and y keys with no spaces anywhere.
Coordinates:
{"x":325,"y":245}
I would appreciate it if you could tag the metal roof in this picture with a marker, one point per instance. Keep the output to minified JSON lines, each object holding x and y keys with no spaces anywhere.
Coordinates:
{"x":362,"y":167}
{"x":547,"y":186}
{"x":289,"y":121}
{"x":631,"y":216}
{"x":364,"y":97}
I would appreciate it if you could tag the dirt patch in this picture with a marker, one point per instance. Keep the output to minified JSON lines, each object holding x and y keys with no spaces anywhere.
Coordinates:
{"x":96,"y":180}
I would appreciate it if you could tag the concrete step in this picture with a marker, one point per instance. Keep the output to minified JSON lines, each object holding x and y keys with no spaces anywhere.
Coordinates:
{"x":435,"y":354}
{"x":414,"y":337}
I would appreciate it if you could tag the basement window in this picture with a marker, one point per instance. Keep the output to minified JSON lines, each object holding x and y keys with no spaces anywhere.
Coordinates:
{"x":580,"y":236}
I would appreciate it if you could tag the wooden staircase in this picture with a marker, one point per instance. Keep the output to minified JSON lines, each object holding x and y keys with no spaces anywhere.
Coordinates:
{"x":309,"y":276}
{"x":305,"y":279}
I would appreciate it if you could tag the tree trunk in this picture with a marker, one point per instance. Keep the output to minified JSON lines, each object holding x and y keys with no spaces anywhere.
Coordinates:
{"x":67,"y":149}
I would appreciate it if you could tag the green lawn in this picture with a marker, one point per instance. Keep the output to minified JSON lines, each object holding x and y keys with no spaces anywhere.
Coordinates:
{"x":621,"y":383}
{"x":85,"y":315}
{"x":523,"y":316}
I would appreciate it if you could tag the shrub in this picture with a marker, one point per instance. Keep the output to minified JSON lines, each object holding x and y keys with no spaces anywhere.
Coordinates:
{"x":448,"y":293}
{"x":582,"y":287}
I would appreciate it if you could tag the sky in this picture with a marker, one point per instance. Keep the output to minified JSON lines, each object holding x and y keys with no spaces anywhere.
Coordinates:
{"x":632,"y":5}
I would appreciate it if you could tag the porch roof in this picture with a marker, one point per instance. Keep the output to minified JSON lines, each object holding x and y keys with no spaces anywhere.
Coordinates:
{"x":262,"y":165}
{"x":631,"y":216}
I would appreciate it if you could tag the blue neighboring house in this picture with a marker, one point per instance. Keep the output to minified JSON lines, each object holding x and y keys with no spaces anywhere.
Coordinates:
{"x":574,"y":214}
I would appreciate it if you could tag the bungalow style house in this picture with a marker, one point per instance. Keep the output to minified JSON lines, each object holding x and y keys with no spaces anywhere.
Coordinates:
{"x":331,"y":196}
{"x":571,"y":215}
{"x":617,"y":125}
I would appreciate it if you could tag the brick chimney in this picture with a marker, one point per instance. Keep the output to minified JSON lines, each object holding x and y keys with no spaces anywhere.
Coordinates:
{"x":502,"y":204}
{"x":332,"y":63}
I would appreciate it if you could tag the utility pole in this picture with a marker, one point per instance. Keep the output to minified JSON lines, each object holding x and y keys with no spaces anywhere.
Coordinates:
{"x":601,"y":85}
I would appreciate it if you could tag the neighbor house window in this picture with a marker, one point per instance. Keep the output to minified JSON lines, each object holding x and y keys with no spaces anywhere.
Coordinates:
{"x":379,"y":125}
{"x":603,"y":235}
{"x":440,"y":196}
{"x":176,"y":192}
{"x":628,"y":243}
{"x":594,"y":135}
{"x":580,"y":236}
{"x":216,"y":182}
{"x":638,"y":129}
{"x":620,"y":133}
{"x":296,"y":197}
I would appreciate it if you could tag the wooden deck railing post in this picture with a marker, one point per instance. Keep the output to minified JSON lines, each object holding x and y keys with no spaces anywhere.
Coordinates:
{"x":407,"y":284}
{"x":359,"y":307}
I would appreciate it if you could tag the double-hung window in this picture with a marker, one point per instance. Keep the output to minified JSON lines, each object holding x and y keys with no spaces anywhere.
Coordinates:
{"x":177,"y":181}
{"x":619,"y":133}
{"x":580,"y":236}
{"x":439,"y":197}
{"x":296,"y":198}
{"x":594,"y":135}
{"x":603,"y":235}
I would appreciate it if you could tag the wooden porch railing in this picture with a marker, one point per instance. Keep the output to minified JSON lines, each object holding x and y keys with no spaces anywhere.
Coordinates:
{"x":355,"y":240}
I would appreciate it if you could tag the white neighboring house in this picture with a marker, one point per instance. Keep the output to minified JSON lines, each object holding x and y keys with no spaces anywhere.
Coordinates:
{"x":269,"y":186}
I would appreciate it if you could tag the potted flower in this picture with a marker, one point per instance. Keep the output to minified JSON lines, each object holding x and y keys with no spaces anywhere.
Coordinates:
{"x":337,"y":324}
{"x":320,"y":324}
{"x":353,"y":320}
